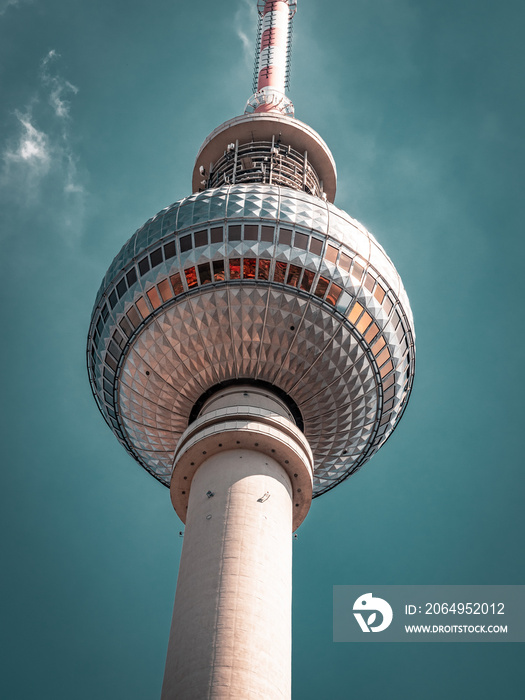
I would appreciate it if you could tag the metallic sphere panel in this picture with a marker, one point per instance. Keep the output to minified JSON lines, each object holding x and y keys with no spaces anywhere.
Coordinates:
{"x":261,"y":282}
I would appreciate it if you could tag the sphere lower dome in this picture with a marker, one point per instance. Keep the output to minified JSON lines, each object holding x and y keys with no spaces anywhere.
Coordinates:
{"x":253,"y":282}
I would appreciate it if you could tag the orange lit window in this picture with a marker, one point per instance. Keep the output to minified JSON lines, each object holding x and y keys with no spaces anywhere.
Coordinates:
{"x":205,"y":273}
{"x":371,"y":332}
{"x":308,"y":278}
{"x":165,"y":290}
{"x":191,"y":277}
{"x":378,"y":345}
{"x":280,"y":271}
{"x":369,"y":282}
{"x":364,"y":322}
{"x":379,"y":293}
{"x":249,"y":268}
{"x":153,"y":296}
{"x":355,"y":312}
{"x":331,"y":253}
{"x":235,"y":269}
{"x":264,"y":270}
{"x":333,"y":294}
{"x":345,"y":261}
{"x":322,"y":286}
{"x":357,"y":271}
{"x":383,"y":357}
{"x":385,"y":369}
{"x":143,"y":307}
{"x":293,"y":275}
{"x":388,"y":382}
{"x":176,"y":283}
{"x":218,"y":270}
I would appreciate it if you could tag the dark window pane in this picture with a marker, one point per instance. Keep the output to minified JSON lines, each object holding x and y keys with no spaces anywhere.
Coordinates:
{"x":144,"y":265}
{"x":114,"y":350}
{"x":389,"y":394}
{"x":126,"y":327}
{"x":249,"y":268}
{"x":280,"y":271}
{"x":109,"y":375}
{"x":156,"y":257}
{"x":205,"y":273}
{"x":111,"y":362}
{"x":235,"y":268}
{"x":316,"y":246}
{"x":218,"y":270}
{"x":176,"y":284}
{"x":308,"y":278}
{"x":121,"y":287}
{"x":113,"y":299}
{"x":100,"y":324}
{"x":234,"y":233}
{"x":169,"y":250}
{"x":321,"y":288}
{"x":267,"y":233}
{"x":293,"y":275}
{"x":133,"y":317}
{"x":216,"y":235}
{"x":201,"y":238}
{"x":264,"y":270}
{"x":131,"y":277}
{"x":285,"y":236}
{"x":107,"y":387}
{"x":191,"y":277}
{"x":185,"y":243}
{"x":251,"y":232}
{"x":105,"y":312}
{"x":118,"y":339}
{"x":301,"y":241}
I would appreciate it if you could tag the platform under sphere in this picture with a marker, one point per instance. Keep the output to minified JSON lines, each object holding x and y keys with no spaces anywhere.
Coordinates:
{"x":262,"y":283}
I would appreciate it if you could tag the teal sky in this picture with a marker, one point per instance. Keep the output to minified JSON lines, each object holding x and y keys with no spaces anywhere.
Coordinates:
{"x":103,"y":107}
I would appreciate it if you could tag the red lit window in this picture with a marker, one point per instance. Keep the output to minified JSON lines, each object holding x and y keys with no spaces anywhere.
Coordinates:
{"x":191,"y":277}
{"x":249,"y":268}
{"x":235,"y":268}
{"x":293,"y":275}
{"x":321,"y":288}
{"x":176,"y":283}
{"x":308,"y":278}
{"x":333,"y":294}
{"x":280,"y":271}
{"x":264,"y":270}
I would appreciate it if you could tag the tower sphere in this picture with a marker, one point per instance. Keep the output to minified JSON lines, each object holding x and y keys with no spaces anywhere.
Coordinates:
{"x":256,"y":279}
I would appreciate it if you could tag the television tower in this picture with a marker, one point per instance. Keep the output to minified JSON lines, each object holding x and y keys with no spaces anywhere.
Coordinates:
{"x":251,"y":346}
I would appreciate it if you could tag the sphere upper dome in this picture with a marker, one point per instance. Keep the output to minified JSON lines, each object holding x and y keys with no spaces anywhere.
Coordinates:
{"x":253,"y":282}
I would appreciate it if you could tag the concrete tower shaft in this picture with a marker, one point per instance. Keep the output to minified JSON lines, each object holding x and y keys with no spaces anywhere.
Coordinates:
{"x":242,"y":481}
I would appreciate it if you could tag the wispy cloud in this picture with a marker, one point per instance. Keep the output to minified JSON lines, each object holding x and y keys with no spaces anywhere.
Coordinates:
{"x":245,"y":22}
{"x":6,"y":4}
{"x":39,"y":164}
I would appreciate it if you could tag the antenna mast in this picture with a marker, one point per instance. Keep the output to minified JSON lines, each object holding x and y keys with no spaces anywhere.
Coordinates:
{"x":272,"y":63}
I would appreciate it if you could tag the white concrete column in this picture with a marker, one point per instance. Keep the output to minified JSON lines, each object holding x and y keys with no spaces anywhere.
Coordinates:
{"x":244,"y":475}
